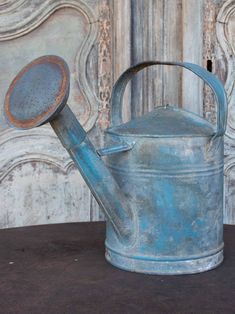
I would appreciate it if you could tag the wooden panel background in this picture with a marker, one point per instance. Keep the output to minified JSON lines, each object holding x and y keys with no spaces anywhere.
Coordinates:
{"x":159,"y":30}
{"x":38,"y":181}
{"x":100,"y":39}
{"x":223,"y":52}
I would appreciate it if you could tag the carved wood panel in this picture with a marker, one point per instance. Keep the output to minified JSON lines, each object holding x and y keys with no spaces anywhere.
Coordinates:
{"x":99,"y":39}
{"x":225,"y":56}
{"x":219,"y":50}
{"x":38,"y":181}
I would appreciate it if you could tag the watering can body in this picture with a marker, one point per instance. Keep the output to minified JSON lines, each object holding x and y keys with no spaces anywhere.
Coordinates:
{"x":172,"y":173}
{"x":161,"y":185}
{"x":175,"y":185}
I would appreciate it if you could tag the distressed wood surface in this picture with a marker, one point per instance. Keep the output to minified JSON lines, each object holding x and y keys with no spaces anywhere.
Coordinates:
{"x":38,"y":181}
{"x":192,"y":37}
{"x":100,"y":39}
{"x":155,"y":28}
{"x":166,"y":30}
{"x":121,"y":43}
{"x":225,"y":68}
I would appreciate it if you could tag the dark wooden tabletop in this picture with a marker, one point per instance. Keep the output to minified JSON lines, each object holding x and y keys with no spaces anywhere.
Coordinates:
{"x":61,"y":269}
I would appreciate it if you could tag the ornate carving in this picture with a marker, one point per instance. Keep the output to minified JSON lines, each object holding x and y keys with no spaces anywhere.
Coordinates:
{"x":229,"y":190}
{"x":38,"y":151}
{"x":225,"y":31}
{"x":27,"y":15}
{"x":14,"y":150}
{"x":10,"y":5}
{"x":225,"y":34}
{"x":41,"y":185}
{"x":105,"y":65}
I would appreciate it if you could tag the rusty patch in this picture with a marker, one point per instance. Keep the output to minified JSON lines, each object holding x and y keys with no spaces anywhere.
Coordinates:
{"x":60,"y":98}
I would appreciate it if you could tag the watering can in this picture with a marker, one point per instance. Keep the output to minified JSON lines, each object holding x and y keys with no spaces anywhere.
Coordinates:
{"x":161,"y":185}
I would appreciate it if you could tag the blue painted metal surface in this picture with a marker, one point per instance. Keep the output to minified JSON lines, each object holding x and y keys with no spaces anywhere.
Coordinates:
{"x":162,"y":188}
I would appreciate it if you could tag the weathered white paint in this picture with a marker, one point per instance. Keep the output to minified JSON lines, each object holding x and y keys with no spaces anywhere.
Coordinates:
{"x":172,"y":37}
{"x":121,"y":43}
{"x":38,"y":181}
{"x":51,"y":29}
{"x":100,"y":39}
{"x":192,"y":37}
{"x":225,"y":30}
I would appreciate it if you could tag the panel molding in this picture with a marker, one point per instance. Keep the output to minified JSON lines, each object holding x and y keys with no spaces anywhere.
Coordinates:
{"x":28,"y":15}
{"x":10,"y":5}
{"x":222,"y":32}
{"x":229,"y":213}
{"x":21,"y":19}
{"x":15,"y":150}
{"x":227,"y":65}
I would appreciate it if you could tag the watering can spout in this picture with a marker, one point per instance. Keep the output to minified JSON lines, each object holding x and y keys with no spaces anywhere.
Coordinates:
{"x":97,"y":176}
{"x":39,"y":95}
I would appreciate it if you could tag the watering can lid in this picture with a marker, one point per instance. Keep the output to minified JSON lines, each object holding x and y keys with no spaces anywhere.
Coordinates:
{"x":166,"y":121}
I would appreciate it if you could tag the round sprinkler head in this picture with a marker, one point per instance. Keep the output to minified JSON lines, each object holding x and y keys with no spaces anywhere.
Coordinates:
{"x":38,"y":93}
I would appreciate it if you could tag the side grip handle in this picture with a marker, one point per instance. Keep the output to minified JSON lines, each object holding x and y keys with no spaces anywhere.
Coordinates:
{"x":121,"y":147}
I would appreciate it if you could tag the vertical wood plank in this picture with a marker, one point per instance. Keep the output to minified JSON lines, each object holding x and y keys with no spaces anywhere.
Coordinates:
{"x":192,"y":87}
{"x":138,"y":41}
{"x":172,"y":51}
{"x":121,"y":23}
{"x":147,"y":44}
{"x":154,"y":79}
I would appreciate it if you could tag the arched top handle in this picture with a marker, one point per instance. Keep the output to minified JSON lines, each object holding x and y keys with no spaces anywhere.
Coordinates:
{"x":206,"y":76}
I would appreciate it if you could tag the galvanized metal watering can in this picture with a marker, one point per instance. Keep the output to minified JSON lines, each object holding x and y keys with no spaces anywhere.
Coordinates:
{"x":161,"y":188}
